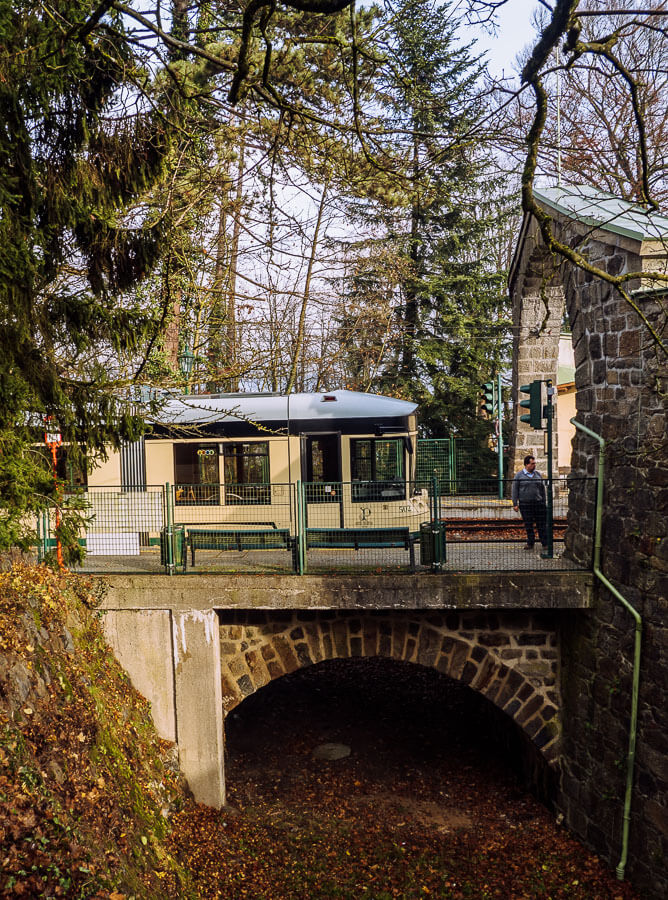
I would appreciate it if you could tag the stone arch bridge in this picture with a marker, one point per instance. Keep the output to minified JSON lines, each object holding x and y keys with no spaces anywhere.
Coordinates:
{"x":196,"y":656}
{"x":511,"y":659}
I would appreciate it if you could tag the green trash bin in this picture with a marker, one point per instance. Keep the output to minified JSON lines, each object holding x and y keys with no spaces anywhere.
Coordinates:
{"x":432,"y":544}
{"x":179,"y":554}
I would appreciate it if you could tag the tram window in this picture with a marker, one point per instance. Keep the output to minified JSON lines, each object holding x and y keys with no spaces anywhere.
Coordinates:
{"x":247,"y":473}
{"x":323,"y":468}
{"x":196,"y":473}
{"x":377,"y":469}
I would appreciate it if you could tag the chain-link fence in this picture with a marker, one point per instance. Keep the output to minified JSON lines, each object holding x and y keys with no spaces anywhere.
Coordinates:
{"x":363,"y":526}
{"x":460,"y":463}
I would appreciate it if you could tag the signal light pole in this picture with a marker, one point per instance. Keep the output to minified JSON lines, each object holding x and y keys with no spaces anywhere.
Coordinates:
{"x":492,"y":403}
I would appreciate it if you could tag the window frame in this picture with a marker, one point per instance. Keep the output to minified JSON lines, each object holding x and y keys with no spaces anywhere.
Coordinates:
{"x":247,"y":493}
{"x":195,"y":493}
{"x":374,"y":489}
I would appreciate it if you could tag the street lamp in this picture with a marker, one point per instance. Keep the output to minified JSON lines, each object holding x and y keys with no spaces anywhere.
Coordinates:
{"x":186,"y":360}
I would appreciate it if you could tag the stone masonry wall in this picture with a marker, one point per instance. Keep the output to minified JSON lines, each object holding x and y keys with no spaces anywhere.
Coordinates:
{"x":538,"y":313}
{"x":622,"y":384}
{"x":511,"y":658}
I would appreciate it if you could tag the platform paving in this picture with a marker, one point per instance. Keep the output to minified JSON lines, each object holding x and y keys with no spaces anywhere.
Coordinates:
{"x":463,"y":556}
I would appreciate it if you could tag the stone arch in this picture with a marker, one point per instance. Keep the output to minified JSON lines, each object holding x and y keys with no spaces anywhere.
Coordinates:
{"x":513,"y":666}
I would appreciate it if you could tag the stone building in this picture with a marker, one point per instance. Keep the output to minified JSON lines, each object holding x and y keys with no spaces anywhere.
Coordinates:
{"x":621,"y":381}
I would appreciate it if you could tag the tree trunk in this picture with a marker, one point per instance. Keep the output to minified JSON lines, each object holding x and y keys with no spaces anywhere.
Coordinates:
{"x":299,"y":339}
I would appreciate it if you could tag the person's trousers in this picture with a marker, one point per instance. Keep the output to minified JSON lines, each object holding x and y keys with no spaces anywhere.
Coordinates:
{"x":534,"y":512}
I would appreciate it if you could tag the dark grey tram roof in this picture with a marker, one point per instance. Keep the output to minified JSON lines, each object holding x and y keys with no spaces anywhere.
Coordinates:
{"x":603,"y":210}
{"x":200,"y":409}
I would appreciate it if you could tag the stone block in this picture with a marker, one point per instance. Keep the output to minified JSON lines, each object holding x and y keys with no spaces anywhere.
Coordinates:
{"x":428,"y":646}
{"x":303,"y":654}
{"x":313,"y":639}
{"x":370,"y":638}
{"x":399,"y":633}
{"x":285,"y":653}
{"x":275,"y":669}
{"x":340,"y":634}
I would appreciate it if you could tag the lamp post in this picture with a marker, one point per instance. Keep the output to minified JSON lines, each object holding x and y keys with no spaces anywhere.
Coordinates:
{"x":186,"y":360}
{"x":53,"y":440}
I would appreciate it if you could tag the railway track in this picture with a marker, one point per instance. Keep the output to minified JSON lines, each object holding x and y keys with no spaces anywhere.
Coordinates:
{"x":490,"y":524}
{"x":497,"y":528}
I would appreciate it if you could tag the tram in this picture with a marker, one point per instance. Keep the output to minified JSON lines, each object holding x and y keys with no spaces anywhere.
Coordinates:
{"x":337,"y":459}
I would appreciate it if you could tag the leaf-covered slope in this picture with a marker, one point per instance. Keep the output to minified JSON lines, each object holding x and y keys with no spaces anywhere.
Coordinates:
{"x":85,"y":783}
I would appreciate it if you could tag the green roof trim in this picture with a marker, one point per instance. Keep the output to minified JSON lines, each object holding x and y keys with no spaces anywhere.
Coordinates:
{"x":600,"y":209}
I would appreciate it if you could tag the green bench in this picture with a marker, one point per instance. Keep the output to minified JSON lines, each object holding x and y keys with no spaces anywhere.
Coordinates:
{"x":360,"y":538}
{"x":225,"y":538}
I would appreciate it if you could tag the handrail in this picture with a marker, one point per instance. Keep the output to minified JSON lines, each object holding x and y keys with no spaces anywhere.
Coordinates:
{"x":635,"y":690}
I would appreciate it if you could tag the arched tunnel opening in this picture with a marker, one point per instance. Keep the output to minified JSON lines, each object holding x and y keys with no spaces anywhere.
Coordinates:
{"x":421,"y":791}
{"x":392,"y":723}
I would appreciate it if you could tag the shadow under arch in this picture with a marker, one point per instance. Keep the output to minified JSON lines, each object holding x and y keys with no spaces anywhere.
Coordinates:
{"x":392,"y":715}
{"x":257,"y":651}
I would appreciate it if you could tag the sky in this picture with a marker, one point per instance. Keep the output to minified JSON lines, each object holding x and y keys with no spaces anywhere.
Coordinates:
{"x":515,"y":31}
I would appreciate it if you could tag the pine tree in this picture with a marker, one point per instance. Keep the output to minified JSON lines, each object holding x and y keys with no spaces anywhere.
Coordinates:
{"x":438,"y":218}
{"x":71,"y":245}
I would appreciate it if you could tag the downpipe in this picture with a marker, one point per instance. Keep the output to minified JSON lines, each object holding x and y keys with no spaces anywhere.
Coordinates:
{"x":633,"y":726}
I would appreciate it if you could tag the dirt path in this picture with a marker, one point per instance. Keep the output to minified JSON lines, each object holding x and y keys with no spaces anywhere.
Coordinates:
{"x":423,"y":806}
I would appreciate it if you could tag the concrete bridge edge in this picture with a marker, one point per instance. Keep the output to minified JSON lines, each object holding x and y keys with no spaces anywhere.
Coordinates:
{"x":173,"y":659}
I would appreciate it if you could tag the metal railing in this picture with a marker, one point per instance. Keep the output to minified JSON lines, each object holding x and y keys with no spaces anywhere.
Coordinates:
{"x":372,"y":527}
{"x":456,"y":463}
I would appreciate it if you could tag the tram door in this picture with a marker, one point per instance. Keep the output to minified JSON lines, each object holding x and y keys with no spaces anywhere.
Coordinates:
{"x":321,"y":465}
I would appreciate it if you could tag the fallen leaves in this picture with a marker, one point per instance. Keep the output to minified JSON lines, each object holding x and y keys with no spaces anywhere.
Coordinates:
{"x":79,"y":759}
{"x":372,"y":824}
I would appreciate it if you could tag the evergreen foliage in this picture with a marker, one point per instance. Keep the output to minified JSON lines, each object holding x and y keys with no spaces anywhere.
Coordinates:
{"x":440,"y":221}
{"x":70,"y":244}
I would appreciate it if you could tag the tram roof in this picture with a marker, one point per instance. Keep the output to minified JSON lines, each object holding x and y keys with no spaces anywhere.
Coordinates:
{"x":199,"y":409}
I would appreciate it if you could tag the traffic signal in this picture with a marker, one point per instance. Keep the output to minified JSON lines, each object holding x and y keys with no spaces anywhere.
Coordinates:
{"x":488,"y":400}
{"x":533,"y":404}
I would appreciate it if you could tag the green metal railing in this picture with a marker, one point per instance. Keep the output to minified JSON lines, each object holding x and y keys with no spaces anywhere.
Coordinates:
{"x":372,"y":527}
{"x":457,"y":462}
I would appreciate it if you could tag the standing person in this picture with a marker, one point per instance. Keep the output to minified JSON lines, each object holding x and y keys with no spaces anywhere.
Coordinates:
{"x":528,"y":496}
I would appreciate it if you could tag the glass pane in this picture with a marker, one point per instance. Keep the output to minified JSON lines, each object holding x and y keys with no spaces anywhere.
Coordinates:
{"x":255,"y":470}
{"x":207,"y":465}
{"x":185,"y":463}
{"x":247,"y":465}
{"x":317,"y":461}
{"x":389,"y":459}
{"x":231,"y":473}
{"x":196,"y":473}
{"x":361,"y":461}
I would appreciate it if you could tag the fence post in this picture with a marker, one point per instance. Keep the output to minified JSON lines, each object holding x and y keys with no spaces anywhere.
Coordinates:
{"x":434,"y":491}
{"x":301,"y":530}
{"x":169,"y":531}
{"x":499,"y":437}
{"x":46,"y":531}
{"x":40,"y":554}
{"x":452,"y":465}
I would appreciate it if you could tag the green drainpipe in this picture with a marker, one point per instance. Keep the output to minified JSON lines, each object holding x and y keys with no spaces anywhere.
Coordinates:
{"x":633,"y":727}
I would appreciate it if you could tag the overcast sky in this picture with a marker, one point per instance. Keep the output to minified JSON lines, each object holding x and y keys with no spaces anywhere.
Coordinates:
{"x":515,"y":31}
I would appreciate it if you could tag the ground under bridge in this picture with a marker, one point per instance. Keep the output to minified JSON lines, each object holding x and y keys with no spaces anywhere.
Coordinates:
{"x":197,"y":647}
